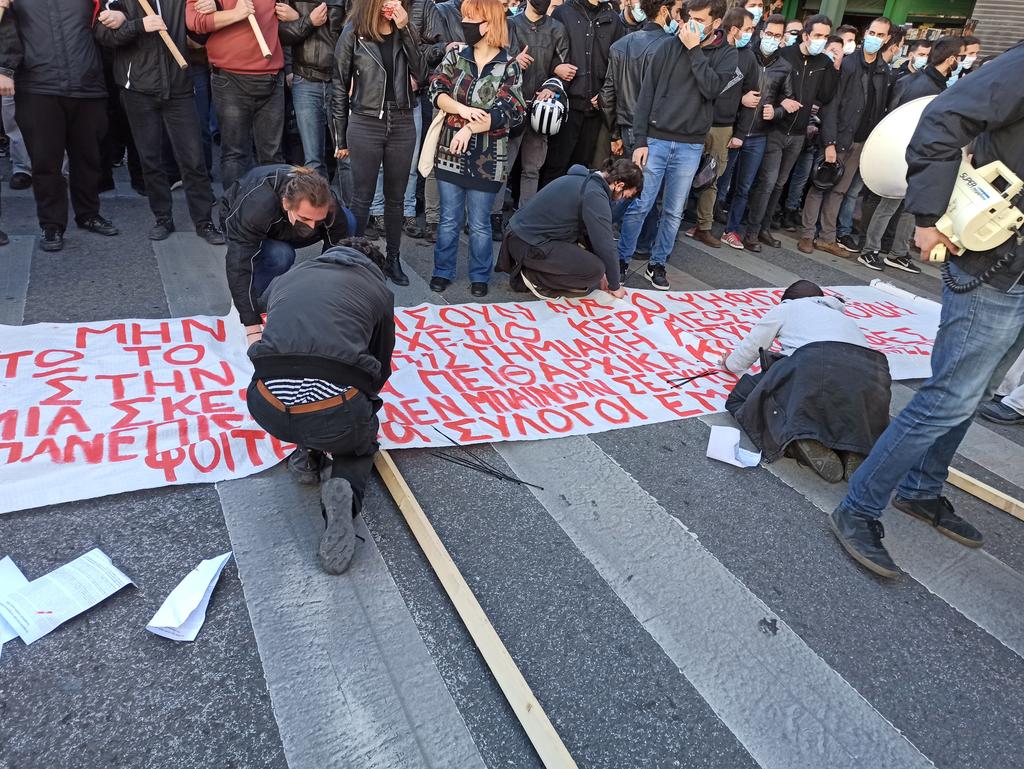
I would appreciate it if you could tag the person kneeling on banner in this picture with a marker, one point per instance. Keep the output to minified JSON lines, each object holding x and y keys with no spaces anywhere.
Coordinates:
{"x":824,"y":398}
{"x":561,"y":243}
{"x":266,"y":215}
{"x":324,"y":356}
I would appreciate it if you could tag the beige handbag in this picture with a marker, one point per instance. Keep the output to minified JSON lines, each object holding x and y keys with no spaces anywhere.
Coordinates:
{"x":429,"y":148}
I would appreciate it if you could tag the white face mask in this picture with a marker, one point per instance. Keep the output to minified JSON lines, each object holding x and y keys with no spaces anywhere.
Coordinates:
{"x":920,"y":62}
{"x":969,"y":61}
{"x":849,"y":47}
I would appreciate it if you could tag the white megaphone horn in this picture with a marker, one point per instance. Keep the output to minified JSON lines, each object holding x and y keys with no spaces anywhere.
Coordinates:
{"x":979,"y":216}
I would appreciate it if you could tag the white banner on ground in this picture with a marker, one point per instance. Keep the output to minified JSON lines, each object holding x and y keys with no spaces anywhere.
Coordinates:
{"x":99,"y":408}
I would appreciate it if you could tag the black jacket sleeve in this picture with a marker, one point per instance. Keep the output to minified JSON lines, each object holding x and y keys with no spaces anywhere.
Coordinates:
{"x":659,"y":67}
{"x":10,"y":44}
{"x":607,"y":99}
{"x":597,"y":219}
{"x":382,"y":345}
{"x":414,"y":55}
{"x":342,"y":83}
{"x":245,"y":227}
{"x":294,"y":32}
{"x":123,"y":35}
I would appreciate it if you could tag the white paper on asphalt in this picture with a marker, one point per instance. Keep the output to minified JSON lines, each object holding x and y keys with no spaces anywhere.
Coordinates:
{"x":48,"y":602}
{"x":11,"y":580}
{"x":724,"y":445}
{"x":183,"y":613}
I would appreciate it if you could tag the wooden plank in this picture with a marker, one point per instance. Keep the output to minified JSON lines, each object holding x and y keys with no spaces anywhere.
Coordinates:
{"x":175,"y":53}
{"x":531,"y":715}
{"x":260,"y":40}
{"x":987,"y":493}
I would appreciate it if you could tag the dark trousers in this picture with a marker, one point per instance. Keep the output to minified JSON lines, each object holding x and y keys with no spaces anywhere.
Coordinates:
{"x":557,"y":265}
{"x":780,"y":155}
{"x":348,"y":431}
{"x":150,"y":116}
{"x":250,"y":111}
{"x":201,"y":82}
{"x":52,"y":126}
{"x":574,"y":143}
{"x":391,"y":141}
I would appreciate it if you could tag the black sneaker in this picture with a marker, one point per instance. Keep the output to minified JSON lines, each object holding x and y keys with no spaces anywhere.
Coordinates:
{"x":208,"y":232}
{"x":478,"y":289}
{"x":623,"y":271}
{"x":1000,"y":413}
{"x":903,"y":263}
{"x":819,"y":457}
{"x":497,"y":227}
{"x":438,"y":285}
{"x":939,"y":513}
{"x":872,"y":260}
{"x":99,"y":225}
{"x":161,"y":230}
{"x":793,"y":219}
{"x":4,"y":240}
{"x":655,"y":273}
{"x":411,"y":227}
{"x":393,"y":270}
{"x":849,"y":243}
{"x":338,"y":542}
{"x":862,"y":537}
{"x":305,"y":465}
{"x":53,"y":238}
{"x":21,"y":181}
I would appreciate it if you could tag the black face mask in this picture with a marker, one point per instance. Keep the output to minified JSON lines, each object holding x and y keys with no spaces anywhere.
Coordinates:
{"x":302,"y":230}
{"x":541,"y":6}
{"x":471,"y":32}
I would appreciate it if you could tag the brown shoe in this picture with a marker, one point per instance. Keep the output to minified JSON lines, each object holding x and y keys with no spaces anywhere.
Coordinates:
{"x":751,"y":243}
{"x":806,"y":245}
{"x":832,"y":248}
{"x":707,"y":237}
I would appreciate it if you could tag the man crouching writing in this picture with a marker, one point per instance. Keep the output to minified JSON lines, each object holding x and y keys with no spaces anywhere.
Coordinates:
{"x":323,"y":358}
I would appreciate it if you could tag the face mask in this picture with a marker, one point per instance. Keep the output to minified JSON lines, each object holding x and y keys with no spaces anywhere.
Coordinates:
{"x":831,"y":56}
{"x":920,"y":62}
{"x":700,"y":29}
{"x":872,"y":44}
{"x":302,"y":230}
{"x":638,"y":13}
{"x":758,"y":13}
{"x":515,"y":11}
{"x":471,"y":32}
{"x":969,"y":61}
{"x":672,"y":27}
{"x":952,"y":79}
{"x":744,"y":39}
{"x":769,"y":45}
{"x":816,"y":46}
{"x":791,"y":37}
{"x":849,"y":48}
{"x":957,"y":67}
{"x":541,"y":6}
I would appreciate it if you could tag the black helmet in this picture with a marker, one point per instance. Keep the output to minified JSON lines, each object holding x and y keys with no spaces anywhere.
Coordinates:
{"x":707,"y":173}
{"x":827,"y":175}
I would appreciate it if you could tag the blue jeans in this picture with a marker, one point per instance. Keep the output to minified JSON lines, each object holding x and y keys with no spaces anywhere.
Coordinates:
{"x":274,"y":258}
{"x":456,"y":202}
{"x":801,"y":173}
{"x":673,"y":163}
{"x":844,"y":224}
{"x":981,"y":333}
{"x":747,"y":164}
{"x":312,"y":102}
{"x":648,"y":232}
{"x":409,"y":206}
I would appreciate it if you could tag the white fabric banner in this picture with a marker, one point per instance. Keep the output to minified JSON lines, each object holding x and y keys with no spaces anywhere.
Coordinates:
{"x":100,"y":408}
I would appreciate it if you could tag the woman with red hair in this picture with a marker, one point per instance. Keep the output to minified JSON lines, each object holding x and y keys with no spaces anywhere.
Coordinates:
{"x":479,"y":88}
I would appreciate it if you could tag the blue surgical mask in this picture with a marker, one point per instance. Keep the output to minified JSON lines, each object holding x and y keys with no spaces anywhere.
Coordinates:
{"x":952,"y":79}
{"x":920,"y":62}
{"x":959,"y":66}
{"x":758,"y":13}
{"x":769,"y":45}
{"x":638,"y":13}
{"x":831,"y":56}
{"x":816,"y":46}
{"x":791,"y":37}
{"x":672,"y":27}
{"x":872,"y":44}
{"x":744,"y":39}
{"x":700,"y":29}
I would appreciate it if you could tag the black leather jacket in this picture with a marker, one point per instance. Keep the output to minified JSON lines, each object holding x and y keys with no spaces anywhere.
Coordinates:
{"x":360,"y":77}
{"x":627,"y":64}
{"x":592,"y":30}
{"x":313,"y":47}
{"x":774,"y":84}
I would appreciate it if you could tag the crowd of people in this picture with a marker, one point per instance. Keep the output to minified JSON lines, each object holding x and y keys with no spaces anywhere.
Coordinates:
{"x":417,"y":119}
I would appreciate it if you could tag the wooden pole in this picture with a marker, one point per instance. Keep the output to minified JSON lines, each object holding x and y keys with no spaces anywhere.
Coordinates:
{"x":987,"y":493}
{"x":264,"y":49}
{"x":148,"y":10}
{"x":531,"y":715}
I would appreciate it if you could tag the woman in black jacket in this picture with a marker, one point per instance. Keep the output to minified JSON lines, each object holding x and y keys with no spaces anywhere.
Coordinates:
{"x":377,"y":60}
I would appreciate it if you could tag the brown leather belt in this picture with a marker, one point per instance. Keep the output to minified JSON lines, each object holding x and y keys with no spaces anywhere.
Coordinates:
{"x":305,"y":408}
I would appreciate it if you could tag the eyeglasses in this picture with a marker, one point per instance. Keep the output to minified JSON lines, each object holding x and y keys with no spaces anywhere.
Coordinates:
{"x":772,"y":36}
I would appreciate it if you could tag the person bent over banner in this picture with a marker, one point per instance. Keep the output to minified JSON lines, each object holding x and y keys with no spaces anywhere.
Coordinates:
{"x":561,"y":242}
{"x":266,"y":215}
{"x":323,"y":358}
{"x":825,"y":399}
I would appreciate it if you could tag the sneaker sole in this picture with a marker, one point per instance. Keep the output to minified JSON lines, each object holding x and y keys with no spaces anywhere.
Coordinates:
{"x":972,"y":543}
{"x":1000,"y":420}
{"x":897,"y":266}
{"x":847,"y":248}
{"x":813,"y":464}
{"x":532,"y":288}
{"x":650,"y":279}
{"x":867,"y":563}
{"x":740,"y":247}
{"x":875,"y":267}
{"x":338,"y":542}
{"x":51,"y":249}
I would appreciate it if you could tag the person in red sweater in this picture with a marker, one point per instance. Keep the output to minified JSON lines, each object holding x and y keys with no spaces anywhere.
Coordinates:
{"x":248,"y":90}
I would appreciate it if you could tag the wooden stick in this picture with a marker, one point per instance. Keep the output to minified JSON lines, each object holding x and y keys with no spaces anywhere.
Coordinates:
{"x":987,"y":493}
{"x":148,"y":10}
{"x":531,"y":715}
{"x":264,"y":49}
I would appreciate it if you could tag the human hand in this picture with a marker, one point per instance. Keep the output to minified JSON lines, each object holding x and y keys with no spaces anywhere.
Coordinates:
{"x":472,"y":114}
{"x":399,"y":16}
{"x":791,"y":105}
{"x":206,"y":6}
{"x":735,"y":143}
{"x":6,"y":86}
{"x":927,"y":238}
{"x":244,"y":9}
{"x":318,"y":16}
{"x":253,"y":334}
{"x":830,"y":154}
{"x":769,"y":112}
{"x":153,"y":24}
{"x":453,"y":45}
{"x":546,"y":95}
{"x":618,"y":147}
{"x":619,"y":293}
{"x":5,"y":4}
{"x":566,"y":72}
{"x":285,"y":12}
{"x":341,"y":154}
{"x":688,"y":35}
{"x":112,"y":19}
{"x":751,"y":99}
{"x":640,"y":156}
{"x":593,"y":101}
{"x":524,"y":59}
{"x":289,"y":79}
{"x":461,"y":141}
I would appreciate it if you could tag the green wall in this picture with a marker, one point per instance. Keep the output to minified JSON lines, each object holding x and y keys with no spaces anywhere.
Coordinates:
{"x":897,"y":10}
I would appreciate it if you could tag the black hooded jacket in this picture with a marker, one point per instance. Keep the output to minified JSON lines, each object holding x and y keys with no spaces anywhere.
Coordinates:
{"x":592,"y":29}
{"x":841,"y":117}
{"x":927,"y":82}
{"x":330,"y":318}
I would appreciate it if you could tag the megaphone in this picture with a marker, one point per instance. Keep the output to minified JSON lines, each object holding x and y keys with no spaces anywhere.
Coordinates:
{"x":980,"y":215}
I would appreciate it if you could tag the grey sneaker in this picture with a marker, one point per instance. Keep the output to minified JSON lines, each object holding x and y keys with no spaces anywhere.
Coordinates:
{"x":939,"y":513}
{"x":861,"y":537}
{"x":338,"y":542}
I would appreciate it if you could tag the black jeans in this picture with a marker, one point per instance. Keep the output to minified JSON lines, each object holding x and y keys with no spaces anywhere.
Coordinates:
{"x":558,"y":265}
{"x":250,"y":110}
{"x":780,"y":155}
{"x":149,"y":116}
{"x":53,"y":125}
{"x":348,"y":431}
{"x":390,"y":140}
{"x":574,"y":143}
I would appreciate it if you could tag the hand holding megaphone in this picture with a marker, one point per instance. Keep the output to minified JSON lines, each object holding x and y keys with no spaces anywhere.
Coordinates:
{"x":933,"y":244}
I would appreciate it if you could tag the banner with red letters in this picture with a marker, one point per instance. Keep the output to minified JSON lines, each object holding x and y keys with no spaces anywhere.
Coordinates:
{"x":100,"y":408}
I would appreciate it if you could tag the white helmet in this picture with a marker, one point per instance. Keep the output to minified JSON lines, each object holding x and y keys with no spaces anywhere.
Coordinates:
{"x":546,"y":117}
